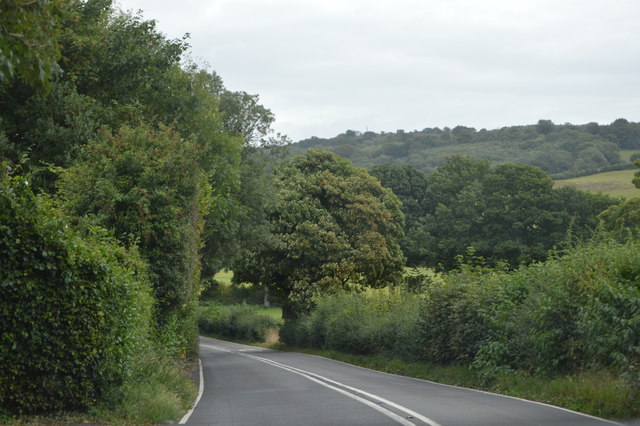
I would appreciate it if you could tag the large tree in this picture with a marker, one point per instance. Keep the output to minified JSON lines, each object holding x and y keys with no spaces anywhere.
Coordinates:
{"x":410,"y":185}
{"x":333,"y":227}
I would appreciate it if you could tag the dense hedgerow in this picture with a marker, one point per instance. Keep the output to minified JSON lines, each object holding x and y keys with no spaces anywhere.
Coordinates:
{"x":375,"y":322}
{"x":573,"y":313}
{"x":73,"y":308}
{"x":243,"y":322}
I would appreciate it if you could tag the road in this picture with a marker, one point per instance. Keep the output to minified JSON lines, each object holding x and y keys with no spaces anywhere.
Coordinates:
{"x":246,"y":385}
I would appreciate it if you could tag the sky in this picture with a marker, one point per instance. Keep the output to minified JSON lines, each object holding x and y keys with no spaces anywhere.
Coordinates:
{"x":325,"y":66}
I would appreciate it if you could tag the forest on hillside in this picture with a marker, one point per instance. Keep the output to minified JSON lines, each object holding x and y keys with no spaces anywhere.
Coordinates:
{"x":561,"y":150}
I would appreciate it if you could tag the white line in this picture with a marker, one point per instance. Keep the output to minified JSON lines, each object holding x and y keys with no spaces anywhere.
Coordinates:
{"x":360,"y":391}
{"x":325,"y":382}
{"x":476,"y":390}
{"x":185,"y":418}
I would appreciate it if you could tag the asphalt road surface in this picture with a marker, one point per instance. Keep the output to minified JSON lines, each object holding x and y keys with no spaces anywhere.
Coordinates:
{"x":245,"y":385}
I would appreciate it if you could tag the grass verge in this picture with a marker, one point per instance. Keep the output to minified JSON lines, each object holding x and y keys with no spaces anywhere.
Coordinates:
{"x":160,"y":391}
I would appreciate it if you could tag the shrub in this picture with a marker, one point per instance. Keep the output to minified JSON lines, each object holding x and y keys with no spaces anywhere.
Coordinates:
{"x":374,"y":322}
{"x":243,"y":322}
{"x":73,"y":308}
{"x":575,"y":312}
{"x":454,"y":314}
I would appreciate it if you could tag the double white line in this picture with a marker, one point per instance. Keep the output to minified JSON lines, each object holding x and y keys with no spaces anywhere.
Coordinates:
{"x":359,"y":395}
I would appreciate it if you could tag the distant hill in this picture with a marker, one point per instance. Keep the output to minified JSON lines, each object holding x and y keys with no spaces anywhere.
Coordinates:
{"x":561,"y":150}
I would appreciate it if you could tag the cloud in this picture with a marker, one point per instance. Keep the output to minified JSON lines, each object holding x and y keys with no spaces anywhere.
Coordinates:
{"x":326,"y":66}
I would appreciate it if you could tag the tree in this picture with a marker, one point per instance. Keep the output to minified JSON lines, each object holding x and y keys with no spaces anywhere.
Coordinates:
{"x":544,"y":127}
{"x":509,"y":212}
{"x":409,"y":185}
{"x":333,"y":227}
{"x":29,"y":40}
{"x":623,"y":219}
{"x":146,"y":187}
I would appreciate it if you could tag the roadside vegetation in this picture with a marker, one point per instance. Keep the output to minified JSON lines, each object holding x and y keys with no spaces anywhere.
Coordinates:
{"x":130,"y":177}
{"x":126,"y":175}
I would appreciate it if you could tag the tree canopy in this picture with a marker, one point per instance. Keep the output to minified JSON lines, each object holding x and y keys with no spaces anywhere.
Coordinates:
{"x":333,"y":227}
{"x":508,"y":212}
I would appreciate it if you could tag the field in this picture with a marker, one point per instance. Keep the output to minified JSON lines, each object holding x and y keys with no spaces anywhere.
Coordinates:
{"x":224,"y":277}
{"x":616,"y":183}
{"x":625,"y":154}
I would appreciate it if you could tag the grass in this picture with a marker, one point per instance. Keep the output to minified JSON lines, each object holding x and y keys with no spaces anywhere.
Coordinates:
{"x":625,"y":154}
{"x":272,"y":311}
{"x":224,"y":277}
{"x":616,"y":183}
{"x":159,"y":391}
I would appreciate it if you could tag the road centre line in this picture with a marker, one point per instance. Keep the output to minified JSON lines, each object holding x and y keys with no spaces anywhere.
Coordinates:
{"x":333,"y":385}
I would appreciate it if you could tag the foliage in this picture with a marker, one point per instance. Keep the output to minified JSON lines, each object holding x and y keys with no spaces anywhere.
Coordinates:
{"x":410,"y":185}
{"x":561,"y":150}
{"x":623,"y":220}
{"x":575,"y":312}
{"x":333,"y":227}
{"x":158,"y":391}
{"x":29,"y":40}
{"x":74,"y":308}
{"x":245,"y":322}
{"x":453,"y":316}
{"x":378,"y":321}
{"x":508,"y":212}
{"x":147,"y":187}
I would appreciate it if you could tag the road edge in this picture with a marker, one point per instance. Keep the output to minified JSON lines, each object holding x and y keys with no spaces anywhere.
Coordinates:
{"x":185,"y":418}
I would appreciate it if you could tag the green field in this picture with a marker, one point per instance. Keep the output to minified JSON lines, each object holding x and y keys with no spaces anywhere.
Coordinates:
{"x":625,"y":154}
{"x":616,"y":183}
{"x":224,"y":277}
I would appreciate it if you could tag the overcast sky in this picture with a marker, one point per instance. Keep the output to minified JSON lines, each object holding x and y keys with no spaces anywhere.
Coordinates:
{"x":325,"y":66}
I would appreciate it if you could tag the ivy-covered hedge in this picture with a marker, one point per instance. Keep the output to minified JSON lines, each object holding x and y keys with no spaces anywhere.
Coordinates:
{"x":73,"y":307}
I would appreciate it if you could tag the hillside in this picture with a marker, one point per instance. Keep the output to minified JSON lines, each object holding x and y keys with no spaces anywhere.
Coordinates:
{"x":616,"y":183}
{"x":563,"y":151}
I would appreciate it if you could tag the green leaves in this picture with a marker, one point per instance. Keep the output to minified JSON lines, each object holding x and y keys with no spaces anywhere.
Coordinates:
{"x":334,"y":227}
{"x":72,"y":308}
{"x":29,"y":41}
{"x":145,"y":186}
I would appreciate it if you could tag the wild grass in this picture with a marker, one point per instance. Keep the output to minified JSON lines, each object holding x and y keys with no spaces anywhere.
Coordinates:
{"x":160,"y":391}
{"x":616,"y":183}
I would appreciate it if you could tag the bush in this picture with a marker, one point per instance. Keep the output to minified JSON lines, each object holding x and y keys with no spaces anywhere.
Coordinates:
{"x":374,"y":322}
{"x":243,"y":322}
{"x":73,"y":308}
{"x":454,"y":314}
{"x":579,"y":311}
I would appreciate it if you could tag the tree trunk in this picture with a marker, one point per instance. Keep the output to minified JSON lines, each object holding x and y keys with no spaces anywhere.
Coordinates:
{"x":266,"y":301}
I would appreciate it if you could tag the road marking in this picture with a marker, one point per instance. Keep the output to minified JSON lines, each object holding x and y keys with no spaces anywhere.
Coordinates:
{"x":333,"y":385}
{"x":185,"y":418}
